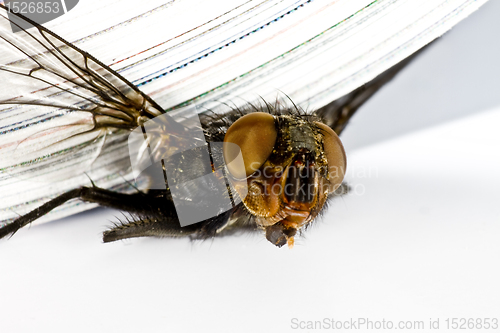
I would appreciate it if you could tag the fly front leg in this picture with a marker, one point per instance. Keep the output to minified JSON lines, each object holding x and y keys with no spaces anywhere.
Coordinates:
{"x":151,"y":214}
{"x":12,"y":228}
{"x":134,"y":203}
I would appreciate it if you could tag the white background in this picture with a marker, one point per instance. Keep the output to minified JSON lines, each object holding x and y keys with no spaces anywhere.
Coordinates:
{"x":416,"y":239}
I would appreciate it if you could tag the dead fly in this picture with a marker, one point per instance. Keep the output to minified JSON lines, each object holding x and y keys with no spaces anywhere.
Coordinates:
{"x":292,"y":162}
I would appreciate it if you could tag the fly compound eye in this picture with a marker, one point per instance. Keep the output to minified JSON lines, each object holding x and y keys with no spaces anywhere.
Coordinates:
{"x":255,"y":134}
{"x":335,"y":156}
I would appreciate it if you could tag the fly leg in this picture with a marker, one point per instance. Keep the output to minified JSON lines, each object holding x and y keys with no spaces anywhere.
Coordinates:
{"x":12,"y":228}
{"x":151,"y":214}
{"x":129,"y":202}
{"x":163,"y":225}
{"x":138,"y":203}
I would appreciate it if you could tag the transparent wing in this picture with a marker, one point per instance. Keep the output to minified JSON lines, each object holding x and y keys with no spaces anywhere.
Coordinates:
{"x":59,"y":107}
{"x":58,"y":100}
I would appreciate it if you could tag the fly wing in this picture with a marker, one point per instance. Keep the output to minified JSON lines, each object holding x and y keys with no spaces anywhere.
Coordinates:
{"x":59,"y":107}
{"x":338,"y":113}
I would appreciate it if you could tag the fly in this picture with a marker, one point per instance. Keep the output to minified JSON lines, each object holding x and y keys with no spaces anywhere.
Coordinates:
{"x":293,"y":161}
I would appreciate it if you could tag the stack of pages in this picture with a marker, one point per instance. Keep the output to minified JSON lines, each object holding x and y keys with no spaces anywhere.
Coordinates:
{"x":194,"y":55}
